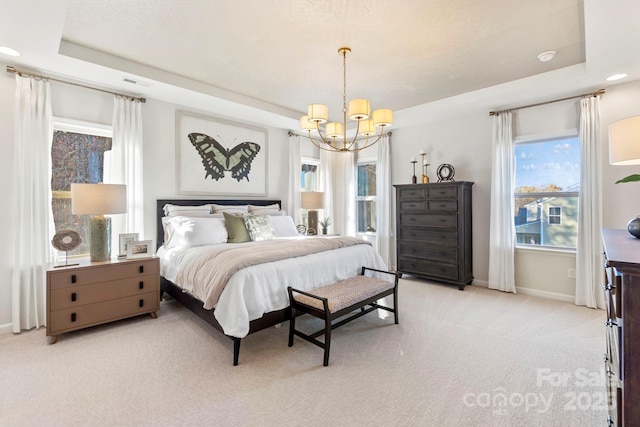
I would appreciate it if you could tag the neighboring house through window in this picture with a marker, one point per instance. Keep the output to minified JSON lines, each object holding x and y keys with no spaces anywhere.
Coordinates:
{"x":547,"y":184}
{"x":77,"y":156}
{"x":366,"y":198}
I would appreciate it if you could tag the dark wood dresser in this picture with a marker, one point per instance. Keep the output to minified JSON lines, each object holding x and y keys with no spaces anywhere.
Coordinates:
{"x":622,"y":358}
{"x":433,"y":231}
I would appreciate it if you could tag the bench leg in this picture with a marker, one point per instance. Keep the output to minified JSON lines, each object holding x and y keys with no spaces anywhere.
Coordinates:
{"x":292,"y":324}
{"x":327,"y":340}
{"x":395,"y":305}
{"x":236,"y":350}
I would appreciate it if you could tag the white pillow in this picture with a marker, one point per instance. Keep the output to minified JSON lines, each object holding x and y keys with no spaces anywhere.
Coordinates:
{"x":259,"y":227}
{"x":283,"y":226}
{"x":231,"y":209}
{"x":193,"y":231}
{"x":178,"y":210}
{"x":263,"y":210}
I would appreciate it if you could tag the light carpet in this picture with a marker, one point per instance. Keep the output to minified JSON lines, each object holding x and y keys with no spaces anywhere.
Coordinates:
{"x":472,"y":358}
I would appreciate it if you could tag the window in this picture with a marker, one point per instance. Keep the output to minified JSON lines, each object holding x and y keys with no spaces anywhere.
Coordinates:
{"x":547,"y":184}
{"x":309,"y":181}
{"x":77,"y":155}
{"x":555,"y":215}
{"x":366,"y":197}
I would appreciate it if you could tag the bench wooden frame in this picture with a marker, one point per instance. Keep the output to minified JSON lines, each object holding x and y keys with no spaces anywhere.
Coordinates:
{"x":296,"y":307}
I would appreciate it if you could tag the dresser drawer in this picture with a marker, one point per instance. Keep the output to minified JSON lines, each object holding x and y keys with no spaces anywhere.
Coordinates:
{"x":71,"y":277}
{"x":101,"y":312}
{"x":428,"y":252}
{"x":442,"y":205}
{"x":430,"y":268}
{"x":442,"y":192}
{"x":80,"y":295}
{"x":417,"y":192}
{"x":429,"y":235}
{"x":413,"y":206}
{"x":429,"y":220}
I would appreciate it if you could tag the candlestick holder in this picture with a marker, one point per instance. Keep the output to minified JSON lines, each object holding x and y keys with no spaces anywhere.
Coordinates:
{"x":425,"y":177}
{"x":414,"y":180}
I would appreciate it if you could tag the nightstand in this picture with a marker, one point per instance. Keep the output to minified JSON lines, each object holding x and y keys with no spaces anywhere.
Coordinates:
{"x":99,"y":292}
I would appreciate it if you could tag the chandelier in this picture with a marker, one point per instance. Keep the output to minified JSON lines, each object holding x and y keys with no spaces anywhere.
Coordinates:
{"x":359,"y":110}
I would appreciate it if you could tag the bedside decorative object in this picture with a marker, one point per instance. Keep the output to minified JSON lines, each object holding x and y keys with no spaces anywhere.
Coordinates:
{"x":65,"y":241}
{"x":325,"y":223}
{"x":139,"y":249}
{"x":124,"y":239}
{"x":302,"y":229}
{"x":99,"y":200}
{"x":633,"y":227}
{"x":445,"y":172}
{"x":414,"y":179}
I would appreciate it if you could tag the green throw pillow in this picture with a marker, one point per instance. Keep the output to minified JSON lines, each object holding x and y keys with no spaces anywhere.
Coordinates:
{"x":236,"y":229}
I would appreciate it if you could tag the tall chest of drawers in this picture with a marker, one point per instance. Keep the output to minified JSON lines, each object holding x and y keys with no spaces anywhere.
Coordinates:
{"x":100,"y":292}
{"x":622,"y":297}
{"x":433,"y":231}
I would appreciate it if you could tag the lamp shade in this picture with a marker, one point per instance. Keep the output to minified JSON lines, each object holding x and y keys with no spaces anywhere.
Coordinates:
{"x":624,"y":142}
{"x":334,"y":130}
{"x":305,"y":124}
{"x":312,"y":200}
{"x":383,"y":117}
{"x":98,"y":199}
{"x":318,"y":113}
{"x":359,"y":109}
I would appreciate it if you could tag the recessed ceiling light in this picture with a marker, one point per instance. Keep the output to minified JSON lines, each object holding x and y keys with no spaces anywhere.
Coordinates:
{"x":8,"y":51}
{"x":616,"y":77}
{"x":547,"y":56}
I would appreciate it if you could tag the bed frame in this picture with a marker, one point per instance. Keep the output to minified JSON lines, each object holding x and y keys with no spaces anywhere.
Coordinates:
{"x":194,"y":304}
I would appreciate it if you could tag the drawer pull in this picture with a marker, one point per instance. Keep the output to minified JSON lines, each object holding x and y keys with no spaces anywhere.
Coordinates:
{"x":141,"y":285}
{"x":73,"y":278}
{"x":73,"y":317}
{"x":141,"y":269}
{"x":74,"y":297}
{"x":141,"y":303}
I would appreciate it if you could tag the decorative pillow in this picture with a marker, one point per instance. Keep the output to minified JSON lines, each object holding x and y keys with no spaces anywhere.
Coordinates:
{"x":263,"y":210}
{"x":259,"y":227}
{"x":177,"y":210}
{"x":239,"y":209}
{"x":193,"y":231}
{"x":283,"y":226}
{"x":236,"y":230}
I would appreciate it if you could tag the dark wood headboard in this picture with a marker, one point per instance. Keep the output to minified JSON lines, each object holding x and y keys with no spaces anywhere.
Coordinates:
{"x":195,"y":202}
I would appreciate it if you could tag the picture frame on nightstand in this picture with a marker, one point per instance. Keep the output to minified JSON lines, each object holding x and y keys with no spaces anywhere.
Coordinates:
{"x":124,"y":239}
{"x":140,"y":249}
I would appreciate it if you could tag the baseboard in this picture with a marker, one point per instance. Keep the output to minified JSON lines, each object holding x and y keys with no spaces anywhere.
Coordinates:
{"x":6,"y":328}
{"x":481,"y":283}
{"x":546,"y":294}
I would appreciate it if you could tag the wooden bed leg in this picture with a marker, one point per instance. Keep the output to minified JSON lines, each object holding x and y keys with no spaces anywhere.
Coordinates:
{"x":236,"y":350}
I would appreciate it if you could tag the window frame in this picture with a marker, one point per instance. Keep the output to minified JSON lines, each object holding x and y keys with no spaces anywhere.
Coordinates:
{"x":539,"y":138}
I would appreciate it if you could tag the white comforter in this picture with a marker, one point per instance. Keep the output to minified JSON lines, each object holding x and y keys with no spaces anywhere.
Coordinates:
{"x":262,"y":288}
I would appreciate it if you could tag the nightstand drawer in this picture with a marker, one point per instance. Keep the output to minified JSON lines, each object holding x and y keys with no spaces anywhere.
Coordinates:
{"x":101,"y":312}
{"x":71,"y":277}
{"x":88,"y":294}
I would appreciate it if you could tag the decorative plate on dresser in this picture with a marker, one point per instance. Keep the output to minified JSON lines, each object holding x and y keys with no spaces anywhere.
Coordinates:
{"x":433,"y":229}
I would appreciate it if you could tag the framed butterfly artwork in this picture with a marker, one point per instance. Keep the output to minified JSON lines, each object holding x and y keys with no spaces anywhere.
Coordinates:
{"x":216,"y":156}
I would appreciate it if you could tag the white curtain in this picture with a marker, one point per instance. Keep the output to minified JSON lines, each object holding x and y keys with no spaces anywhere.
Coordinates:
{"x":326,"y":185}
{"x":344,"y":192}
{"x":295,"y":169}
{"x":589,"y":258}
{"x":33,"y":218}
{"x":383,"y":200}
{"x":502,"y":229}
{"x":126,"y":164}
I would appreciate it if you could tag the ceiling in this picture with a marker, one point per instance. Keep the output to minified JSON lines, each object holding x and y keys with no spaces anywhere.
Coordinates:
{"x":271,"y":58}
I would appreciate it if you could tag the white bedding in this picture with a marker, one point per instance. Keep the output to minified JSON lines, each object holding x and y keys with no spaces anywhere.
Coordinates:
{"x":262,"y":288}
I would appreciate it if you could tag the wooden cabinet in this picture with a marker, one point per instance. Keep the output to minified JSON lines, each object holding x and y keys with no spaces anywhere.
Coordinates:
{"x":622,"y":327}
{"x":100,"y":292}
{"x":433,"y":231}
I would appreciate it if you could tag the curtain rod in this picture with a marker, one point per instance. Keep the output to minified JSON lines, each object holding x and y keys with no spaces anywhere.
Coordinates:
{"x":598,"y":92}
{"x":11,"y":69}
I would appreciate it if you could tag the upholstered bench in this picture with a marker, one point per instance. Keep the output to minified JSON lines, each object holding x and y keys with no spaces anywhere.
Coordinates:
{"x":336,"y":300}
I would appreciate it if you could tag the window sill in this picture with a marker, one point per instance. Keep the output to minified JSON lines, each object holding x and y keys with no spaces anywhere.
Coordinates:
{"x":548,"y":249}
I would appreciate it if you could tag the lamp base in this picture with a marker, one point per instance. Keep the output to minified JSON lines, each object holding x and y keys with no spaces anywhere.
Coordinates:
{"x":100,"y":238}
{"x":313,"y":222}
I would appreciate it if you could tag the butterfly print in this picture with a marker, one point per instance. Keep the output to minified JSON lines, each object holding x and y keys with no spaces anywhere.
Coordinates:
{"x":217,"y":159}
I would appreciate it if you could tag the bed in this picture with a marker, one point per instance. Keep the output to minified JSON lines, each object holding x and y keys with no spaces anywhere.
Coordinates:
{"x":254,"y":297}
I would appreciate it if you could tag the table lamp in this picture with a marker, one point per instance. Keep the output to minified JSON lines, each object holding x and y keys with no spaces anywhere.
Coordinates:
{"x":312,"y":200}
{"x":99,"y":200}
